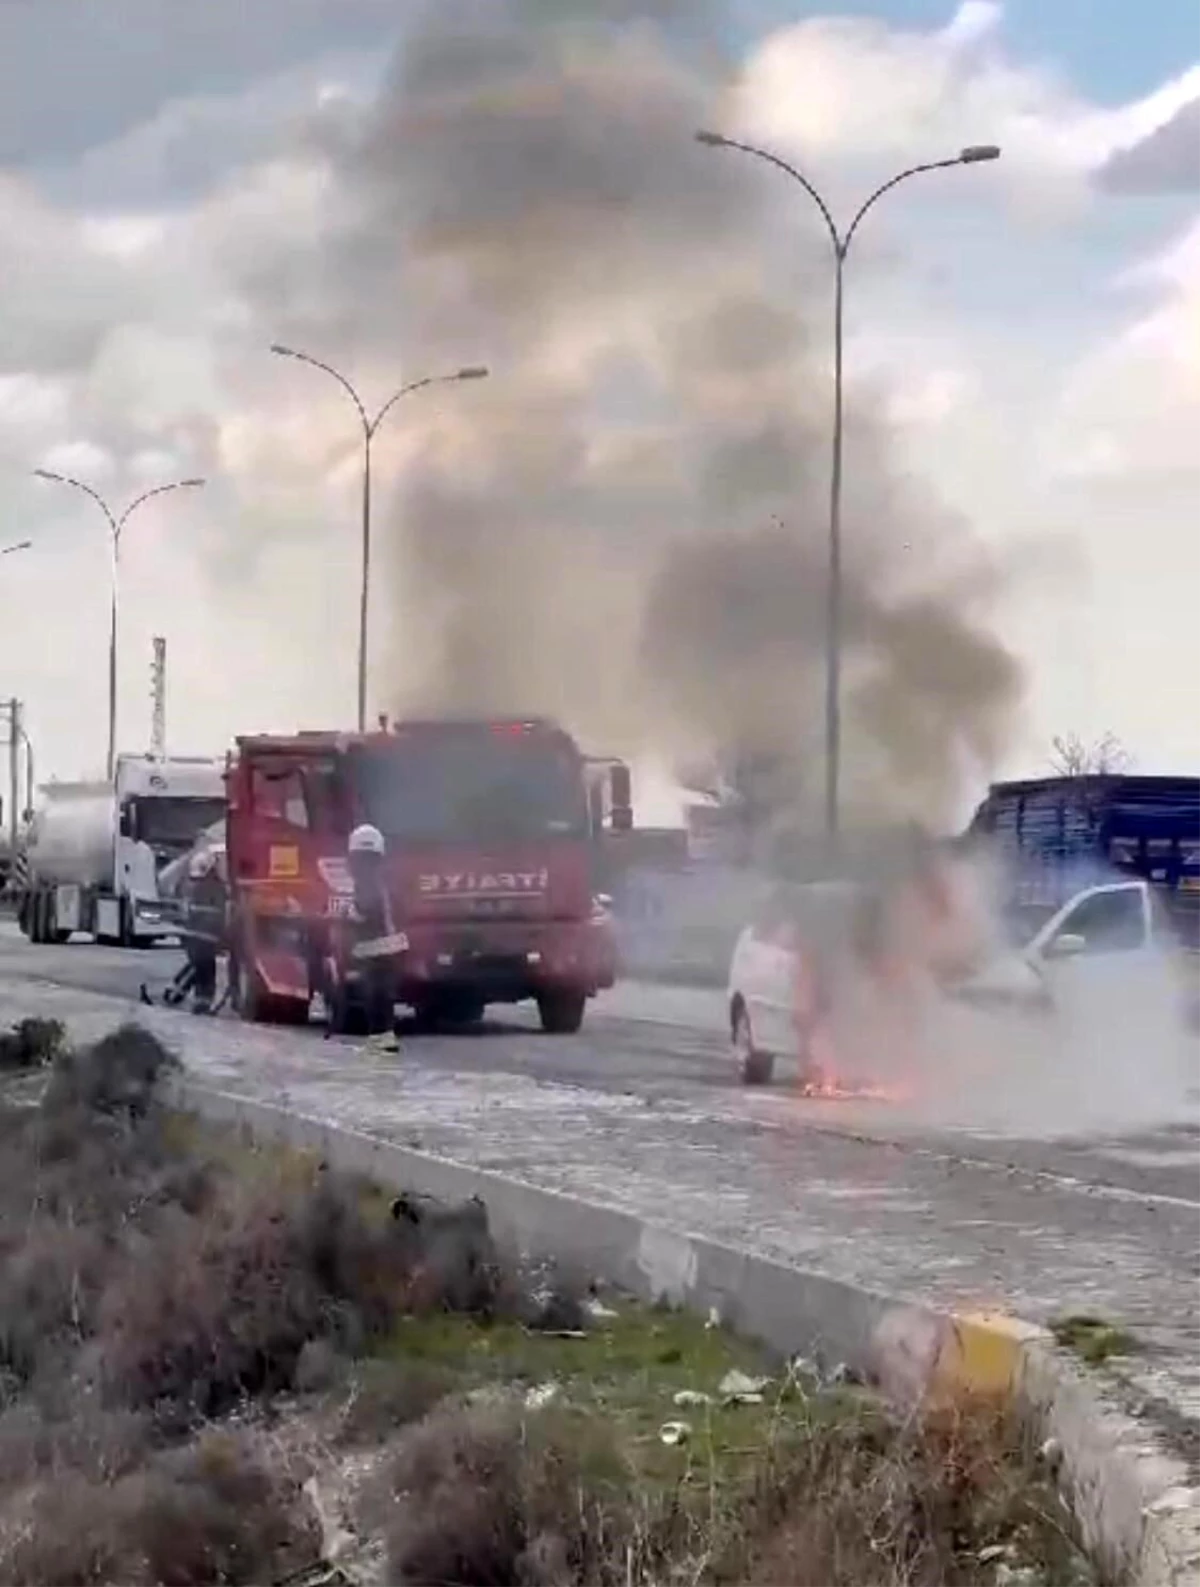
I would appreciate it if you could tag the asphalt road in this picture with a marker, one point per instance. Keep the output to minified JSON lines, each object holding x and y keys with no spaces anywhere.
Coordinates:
{"x":659,"y":1040}
{"x":665,"y":1042}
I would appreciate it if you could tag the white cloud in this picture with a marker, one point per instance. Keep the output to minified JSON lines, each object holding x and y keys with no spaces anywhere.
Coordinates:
{"x":837,"y":88}
{"x":191,"y":145}
{"x":1133,"y":405}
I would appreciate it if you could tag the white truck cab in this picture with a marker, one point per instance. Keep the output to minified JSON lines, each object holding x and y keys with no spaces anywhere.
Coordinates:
{"x":95,"y":850}
{"x":1104,"y":937}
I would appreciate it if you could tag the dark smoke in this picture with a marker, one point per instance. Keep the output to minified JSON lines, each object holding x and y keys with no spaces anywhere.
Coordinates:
{"x":627,"y":525}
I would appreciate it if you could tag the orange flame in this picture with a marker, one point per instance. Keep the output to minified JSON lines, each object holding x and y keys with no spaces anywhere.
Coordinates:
{"x":924,"y":929}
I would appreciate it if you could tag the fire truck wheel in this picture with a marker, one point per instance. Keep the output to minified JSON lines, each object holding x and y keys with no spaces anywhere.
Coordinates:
{"x":344,"y":1019}
{"x":348,"y":1014}
{"x":256,"y":1005}
{"x":451,"y":1008}
{"x":469,"y":1011}
{"x":561,"y":1012}
{"x":754,"y":1066}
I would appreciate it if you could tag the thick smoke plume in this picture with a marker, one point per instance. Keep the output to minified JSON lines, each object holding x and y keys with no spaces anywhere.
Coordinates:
{"x":627,"y":525}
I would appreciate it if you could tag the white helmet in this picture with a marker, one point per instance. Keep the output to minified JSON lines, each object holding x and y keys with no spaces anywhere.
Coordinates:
{"x":366,"y":840}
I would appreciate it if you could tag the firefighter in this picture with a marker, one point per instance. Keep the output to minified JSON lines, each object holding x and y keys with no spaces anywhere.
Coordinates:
{"x":205,"y":905}
{"x":365,"y":981}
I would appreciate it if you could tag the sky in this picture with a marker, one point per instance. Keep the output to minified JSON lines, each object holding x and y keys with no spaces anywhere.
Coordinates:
{"x":169,"y":205}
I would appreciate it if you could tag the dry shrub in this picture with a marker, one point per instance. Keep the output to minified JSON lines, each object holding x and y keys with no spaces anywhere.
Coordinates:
{"x":78,"y":1175}
{"x":98,"y":1148}
{"x":868,"y":1499}
{"x":213,"y":1512}
{"x":450,"y":1258}
{"x":216,"y":1308}
{"x":120,"y":1075}
{"x":218,"y":1513}
{"x":137,"y":1264}
{"x":855,"y":1499}
{"x":387,"y":1395}
{"x":32,"y":1043}
{"x":212,"y":1310}
{"x":48,"y":1285}
{"x":481,"y":1496}
{"x":85,"y":1438}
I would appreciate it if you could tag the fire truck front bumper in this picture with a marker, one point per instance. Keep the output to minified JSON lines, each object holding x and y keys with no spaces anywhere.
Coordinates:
{"x":506,"y":963}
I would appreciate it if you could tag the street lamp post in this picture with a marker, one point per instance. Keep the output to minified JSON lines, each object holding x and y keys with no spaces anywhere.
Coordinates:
{"x":974,"y":154}
{"x":369,"y":427}
{"x":115,"y":526}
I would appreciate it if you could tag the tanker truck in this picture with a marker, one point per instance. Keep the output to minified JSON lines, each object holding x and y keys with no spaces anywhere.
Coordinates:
{"x":94,"y":851}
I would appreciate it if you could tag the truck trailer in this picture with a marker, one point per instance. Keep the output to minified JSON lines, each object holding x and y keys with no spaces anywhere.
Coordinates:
{"x":493,"y":832}
{"x":1058,"y":835}
{"x":93,"y":851}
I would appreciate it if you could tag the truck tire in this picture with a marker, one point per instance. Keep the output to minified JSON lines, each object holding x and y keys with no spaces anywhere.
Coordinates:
{"x":466,"y":1010}
{"x":53,"y":934}
{"x":455,"y":1010}
{"x":561,"y":1012}
{"x":347,"y":1017}
{"x":359,"y":1017}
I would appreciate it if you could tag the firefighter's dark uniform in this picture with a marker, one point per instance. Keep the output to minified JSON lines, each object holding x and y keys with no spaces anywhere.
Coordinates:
{"x":205,"y":902}
{"x":366,"y":982}
{"x":373,"y":920}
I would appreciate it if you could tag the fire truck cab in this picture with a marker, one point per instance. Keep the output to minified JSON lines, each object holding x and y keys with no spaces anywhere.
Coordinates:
{"x":491,"y":831}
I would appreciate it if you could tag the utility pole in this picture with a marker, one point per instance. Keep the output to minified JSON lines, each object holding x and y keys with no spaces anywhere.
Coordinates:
{"x":158,"y":694}
{"x":14,"y":776}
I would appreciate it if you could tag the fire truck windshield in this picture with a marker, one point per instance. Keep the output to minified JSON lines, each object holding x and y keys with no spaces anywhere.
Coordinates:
{"x":472,"y":787}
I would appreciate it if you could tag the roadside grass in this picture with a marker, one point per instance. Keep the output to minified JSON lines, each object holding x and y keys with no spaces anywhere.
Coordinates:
{"x":1094,"y":1339}
{"x":653,"y":1376}
{"x":802,"y":1483}
{"x":220,"y":1362}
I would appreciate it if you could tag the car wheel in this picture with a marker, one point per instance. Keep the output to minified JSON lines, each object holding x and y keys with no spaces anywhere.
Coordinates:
{"x":561,"y":1012}
{"x":754,"y":1066}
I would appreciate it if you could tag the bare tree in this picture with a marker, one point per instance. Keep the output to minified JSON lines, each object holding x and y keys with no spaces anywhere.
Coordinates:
{"x":1072,"y":756}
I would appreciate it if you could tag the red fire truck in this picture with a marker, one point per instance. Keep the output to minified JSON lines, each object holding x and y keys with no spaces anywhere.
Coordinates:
{"x":492,"y":829}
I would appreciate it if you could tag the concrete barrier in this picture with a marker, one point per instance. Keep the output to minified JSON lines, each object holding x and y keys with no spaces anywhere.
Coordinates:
{"x":1137,"y":1515}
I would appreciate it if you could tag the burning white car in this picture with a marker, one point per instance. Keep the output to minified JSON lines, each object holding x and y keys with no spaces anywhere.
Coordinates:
{"x":816,"y":951}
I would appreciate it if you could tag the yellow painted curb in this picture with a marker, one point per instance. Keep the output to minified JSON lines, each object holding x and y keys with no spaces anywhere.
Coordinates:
{"x":981,"y":1354}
